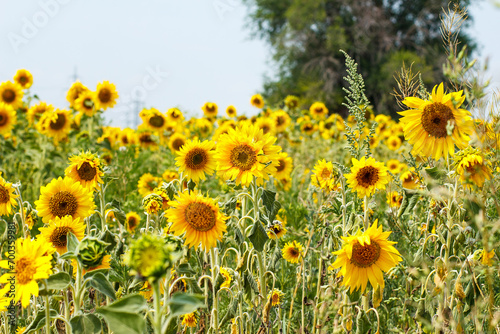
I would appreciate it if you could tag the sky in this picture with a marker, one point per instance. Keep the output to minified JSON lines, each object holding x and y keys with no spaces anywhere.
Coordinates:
{"x":162,"y":53}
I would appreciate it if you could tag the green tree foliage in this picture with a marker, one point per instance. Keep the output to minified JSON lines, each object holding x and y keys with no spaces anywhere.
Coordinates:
{"x":380,"y":35}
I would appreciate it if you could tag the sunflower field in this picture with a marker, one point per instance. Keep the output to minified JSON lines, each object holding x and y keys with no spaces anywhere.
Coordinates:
{"x":295,"y":220}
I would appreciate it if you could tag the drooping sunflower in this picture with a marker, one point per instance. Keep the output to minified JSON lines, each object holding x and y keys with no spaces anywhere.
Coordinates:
{"x":64,"y":197}
{"x":293,"y":251}
{"x":8,"y":118}
{"x":86,"y":103}
{"x":32,"y":263}
{"x":189,"y":320}
{"x":56,"y":231}
{"x":176,"y":142}
{"x":7,"y":197}
{"x":74,"y":92}
{"x":285,"y":166}
{"x":210,"y":109}
{"x":231,"y":111}
{"x":257,"y":101}
{"x":55,"y":124}
{"x":364,"y":257}
{"x":132,"y":221}
{"x":11,"y":93}
{"x":281,"y":120}
{"x":367,"y":175}
{"x":23,"y":78}
{"x":85,"y":168}
{"x":239,"y":157}
{"x":196,"y":159}
{"x":276,"y":297}
{"x":198,"y":217}
{"x":37,"y":110}
{"x":147,"y":183}
{"x":473,"y":167}
{"x":318,"y":110}
{"x":434,"y":126}
{"x":105,"y":95}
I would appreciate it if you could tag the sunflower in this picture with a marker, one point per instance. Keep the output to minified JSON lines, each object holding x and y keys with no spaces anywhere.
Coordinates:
{"x":291,"y":101}
{"x":32,"y":263}
{"x":367,"y":175}
{"x":281,"y":120}
{"x":293,"y":251}
{"x":23,"y":78}
{"x":394,"y":166}
{"x":210,"y":109}
{"x":487,"y":257}
{"x":30,"y":218}
{"x":86,"y":103}
{"x":189,"y":320}
{"x":204,"y":127}
{"x":74,"y":92}
{"x":150,"y":257}
{"x":198,"y":217}
{"x":257,"y":101}
{"x":132,"y":221}
{"x":393,"y":143}
{"x":410,"y":179}
{"x":364,"y":256}
{"x":239,"y":157}
{"x":266,"y":124}
{"x":106,"y":95}
{"x":154,"y":120}
{"x":473,"y":167}
{"x":64,"y":197}
{"x":11,"y":93}
{"x":224,"y":272}
{"x":394,"y":199}
{"x":176,"y":142}
{"x":147,"y":140}
{"x":231,"y":111}
{"x":434,"y":126}
{"x":196,"y":159}
{"x":8,"y":118}
{"x":306,"y":125}
{"x":285,"y":166}
{"x":318,"y":110}
{"x":276,"y":297}
{"x":276,"y":229}
{"x":169,"y":175}
{"x":37,"y":110}
{"x":7,"y":197}
{"x":147,"y":183}
{"x":56,"y":233}
{"x":85,"y":168}
{"x":323,"y":172}
{"x":55,"y":124}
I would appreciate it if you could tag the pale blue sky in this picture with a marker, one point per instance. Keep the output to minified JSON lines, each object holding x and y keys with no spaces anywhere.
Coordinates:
{"x":168,"y":53}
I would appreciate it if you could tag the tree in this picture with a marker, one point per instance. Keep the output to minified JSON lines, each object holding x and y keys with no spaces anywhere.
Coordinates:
{"x":380,"y":35}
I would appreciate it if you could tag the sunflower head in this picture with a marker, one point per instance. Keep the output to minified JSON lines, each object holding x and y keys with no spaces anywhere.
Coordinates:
{"x":196,"y":159}
{"x":394,"y":199}
{"x":367,"y":175}
{"x":257,"y":101}
{"x":132,"y":221}
{"x":410,"y":179}
{"x":318,"y":110}
{"x":152,"y":203}
{"x":56,"y":232}
{"x":11,"y":93}
{"x":291,"y":101}
{"x":74,"y":92}
{"x":276,"y":229}
{"x":210,"y":109}
{"x":224,"y":272}
{"x":154,"y":120}
{"x":36,"y":111}
{"x":281,"y":120}
{"x":176,"y":142}
{"x":231,"y":111}
{"x":150,"y":257}
{"x":293,"y":251}
{"x":147,"y":183}
{"x":7,"y":197}
{"x":55,"y":124}
{"x":86,"y":103}
{"x":276,"y":297}
{"x":473,"y":167}
{"x":105,"y":95}
{"x":189,"y":320}
{"x":393,"y":143}
{"x":23,"y":78}
{"x":8,"y":118}
{"x":91,"y":252}
{"x":86,"y":169}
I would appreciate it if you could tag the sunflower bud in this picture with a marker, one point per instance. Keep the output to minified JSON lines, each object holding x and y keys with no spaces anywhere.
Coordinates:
{"x":152,"y":203}
{"x":459,"y":290}
{"x":91,"y":252}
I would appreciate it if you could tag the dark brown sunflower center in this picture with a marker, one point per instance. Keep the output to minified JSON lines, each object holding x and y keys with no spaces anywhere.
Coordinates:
{"x":8,"y":95}
{"x":23,"y":80}
{"x":196,"y":159}
{"x":308,"y":127}
{"x":157,"y":121}
{"x":178,"y":143}
{"x":318,"y":110}
{"x":243,"y":157}
{"x":125,"y":139}
{"x":276,"y":228}
{"x":88,"y":104}
{"x":104,"y":95}
{"x":3,"y":119}
{"x":59,"y":122}
{"x":63,"y":203}
{"x":265,"y":128}
{"x":145,"y":138}
{"x":293,"y":252}
{"x":365,"y":256}
{"x":367,"y":176}
{"x":4,"y":195}
{"x":392,"y":166}
{"x":200,"y":216}
{"x":25,"y":270}
{"x":281,"y":166}
{"x":59,"y":237}
{"x":230,"y":111}
{"x":435,"y":119}
{"x":210,"y":107}
{"x":257,"y":101}
{"x":132,"y":222}
{"x":86,"y":172}
{"x":325,"y":173}
{"x":280,"y":120}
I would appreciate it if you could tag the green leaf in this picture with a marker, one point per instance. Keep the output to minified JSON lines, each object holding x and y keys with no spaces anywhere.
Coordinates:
{"x":436,"y":173}
{"x":185,"y":268}
{"x":258,"y":236}
{"x":184,"y":303}
{"x":72,"y":243}
{"x":85,"y":324}
{"x":67,"y":256}
{"x":251,"y":281}
{"x":230,"y":206}
{"x":191,"y":185}
{"x":270,"y":204}
{"x":39,"y":321}
{"x":59,"y":281}
{"x":109,"y":238}
{"x":120,"y":215}
{"x":123,"y":315}
{"x":99,"y":282}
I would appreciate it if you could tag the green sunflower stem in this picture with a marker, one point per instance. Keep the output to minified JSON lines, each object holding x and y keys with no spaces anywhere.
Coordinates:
{"x":158,"y":310}
{"x":78,"y":288}
{"x":21,"y":210}
{"x":103,"y":206}
{"x":262,"y":270}
{"x":215,"y":272}
{"x":365,"y":202}
{"x":47,"y":309}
